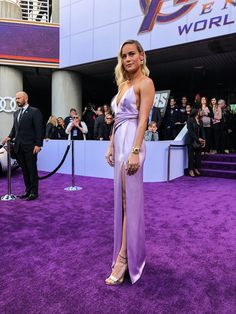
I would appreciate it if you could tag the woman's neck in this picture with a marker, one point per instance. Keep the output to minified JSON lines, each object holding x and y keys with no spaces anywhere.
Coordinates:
{"x":134,"y":77}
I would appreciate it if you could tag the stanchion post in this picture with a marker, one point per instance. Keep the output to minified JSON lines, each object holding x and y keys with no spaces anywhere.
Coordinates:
{"x":73,"y":163}
{"x":9,"y":196}
{"x":73,"y":187}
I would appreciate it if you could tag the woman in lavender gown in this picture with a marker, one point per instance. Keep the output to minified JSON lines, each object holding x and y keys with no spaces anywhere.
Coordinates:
{"x":126,"y":153}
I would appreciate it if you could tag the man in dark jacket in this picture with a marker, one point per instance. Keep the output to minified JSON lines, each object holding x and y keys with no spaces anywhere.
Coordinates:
{"x":98,"y":125}
{"x":27,"y":133}
{"x":69,"y":119}
{"x":171,"y":121}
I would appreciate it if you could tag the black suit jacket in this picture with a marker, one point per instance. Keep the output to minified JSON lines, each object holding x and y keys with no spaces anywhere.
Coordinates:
{"x":195,"y":131}
{"x":156,"y":116}
{"x":29,"y":132}
{"x":98,"y":126}
{"x":67,"y":120}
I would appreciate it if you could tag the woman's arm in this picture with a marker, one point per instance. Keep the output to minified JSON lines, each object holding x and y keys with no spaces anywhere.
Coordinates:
{"x":110,"y":151}
{"x":84,"y":128}
{"x":218,"y":114}
{"x":147,"y":92}
{"x":69,"y":128}
{"x":191,"y":129}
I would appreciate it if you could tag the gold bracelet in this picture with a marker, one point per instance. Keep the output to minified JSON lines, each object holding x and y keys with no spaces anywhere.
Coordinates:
{"x":135,"y":150}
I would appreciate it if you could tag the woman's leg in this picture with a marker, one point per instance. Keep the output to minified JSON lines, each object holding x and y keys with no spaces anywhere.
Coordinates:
{"x":123,"y":249}
{"x":217,"y":135}
{"x":190,"y":157}
{"x":120,"y":266}
{"x":208,"y":139}
{"x":197,"y":159}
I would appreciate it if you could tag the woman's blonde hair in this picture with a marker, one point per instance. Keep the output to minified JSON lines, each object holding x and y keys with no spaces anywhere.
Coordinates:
{"x":120,"y":74}
{"x":52,"y":120}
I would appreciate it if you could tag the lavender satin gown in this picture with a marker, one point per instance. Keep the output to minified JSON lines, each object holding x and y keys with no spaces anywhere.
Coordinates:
{"x":126,"y":121}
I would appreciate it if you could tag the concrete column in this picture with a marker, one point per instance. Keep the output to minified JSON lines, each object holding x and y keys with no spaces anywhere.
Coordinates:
{"x":66,"y":93}
{"x":11,"y":81}
{"x":55,"y":11}
{"x":9,"y":9}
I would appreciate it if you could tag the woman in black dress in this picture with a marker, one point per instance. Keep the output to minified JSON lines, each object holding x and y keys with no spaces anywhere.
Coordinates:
{"x":195,"y":140}
{"x":61,"y":129}
{"x":51,"y":128}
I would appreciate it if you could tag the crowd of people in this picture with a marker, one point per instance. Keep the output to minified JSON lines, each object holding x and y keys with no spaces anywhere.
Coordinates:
{"x":94,"y":125}
{"x":217,"y":118}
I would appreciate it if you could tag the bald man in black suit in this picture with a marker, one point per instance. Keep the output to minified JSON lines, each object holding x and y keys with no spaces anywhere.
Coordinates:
{"x":27,"y":133}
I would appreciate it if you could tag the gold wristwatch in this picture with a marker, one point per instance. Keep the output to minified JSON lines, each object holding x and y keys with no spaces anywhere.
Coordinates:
{"x":135,"y":150}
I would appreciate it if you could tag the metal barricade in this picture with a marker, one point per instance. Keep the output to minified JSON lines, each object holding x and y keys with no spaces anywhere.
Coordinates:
{"x":168,"y":160}
{"x":73,"y":187}
{"x":9,"y":196}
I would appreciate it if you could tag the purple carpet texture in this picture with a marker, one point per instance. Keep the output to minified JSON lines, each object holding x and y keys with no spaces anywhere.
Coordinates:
{"x":56,"y":252}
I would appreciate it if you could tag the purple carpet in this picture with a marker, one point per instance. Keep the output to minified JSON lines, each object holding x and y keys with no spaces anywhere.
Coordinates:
{"x":219,"y":165}
{"x":56,"y":252}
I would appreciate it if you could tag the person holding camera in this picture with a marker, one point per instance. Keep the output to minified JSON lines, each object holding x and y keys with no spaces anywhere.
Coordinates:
{"x":195,"y":140}
{"x":77,"y":129}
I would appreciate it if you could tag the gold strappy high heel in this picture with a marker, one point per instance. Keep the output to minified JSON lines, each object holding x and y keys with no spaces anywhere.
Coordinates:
{"x":112,"y":280}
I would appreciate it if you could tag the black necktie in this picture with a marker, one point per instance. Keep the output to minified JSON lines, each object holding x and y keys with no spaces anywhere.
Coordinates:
{"x":20,"y":115}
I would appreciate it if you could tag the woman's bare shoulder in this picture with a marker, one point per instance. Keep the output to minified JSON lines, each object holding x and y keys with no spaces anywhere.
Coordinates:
{"x":146,"y":84}
{"x":146,"y":81}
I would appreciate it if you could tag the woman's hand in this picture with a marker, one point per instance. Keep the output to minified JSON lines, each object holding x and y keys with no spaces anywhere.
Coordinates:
{"x":132,"y":164}
{"x":36,"y":150}
{"x":202,"y":142}
{"x":110,"y":156}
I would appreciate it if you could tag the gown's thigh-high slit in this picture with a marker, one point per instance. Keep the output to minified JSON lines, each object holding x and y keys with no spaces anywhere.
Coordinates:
{"x":128,"y":189}
{"x":123,"y":249}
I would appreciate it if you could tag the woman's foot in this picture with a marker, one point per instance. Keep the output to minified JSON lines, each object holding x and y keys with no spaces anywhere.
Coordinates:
{"x":191,"y":173}
{"x":118,"y":272}
{"x":196,"y":172}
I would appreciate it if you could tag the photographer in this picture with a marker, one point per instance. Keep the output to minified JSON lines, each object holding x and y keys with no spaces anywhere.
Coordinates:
{"x":77,"y":129}
{"x":195,"y":140}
